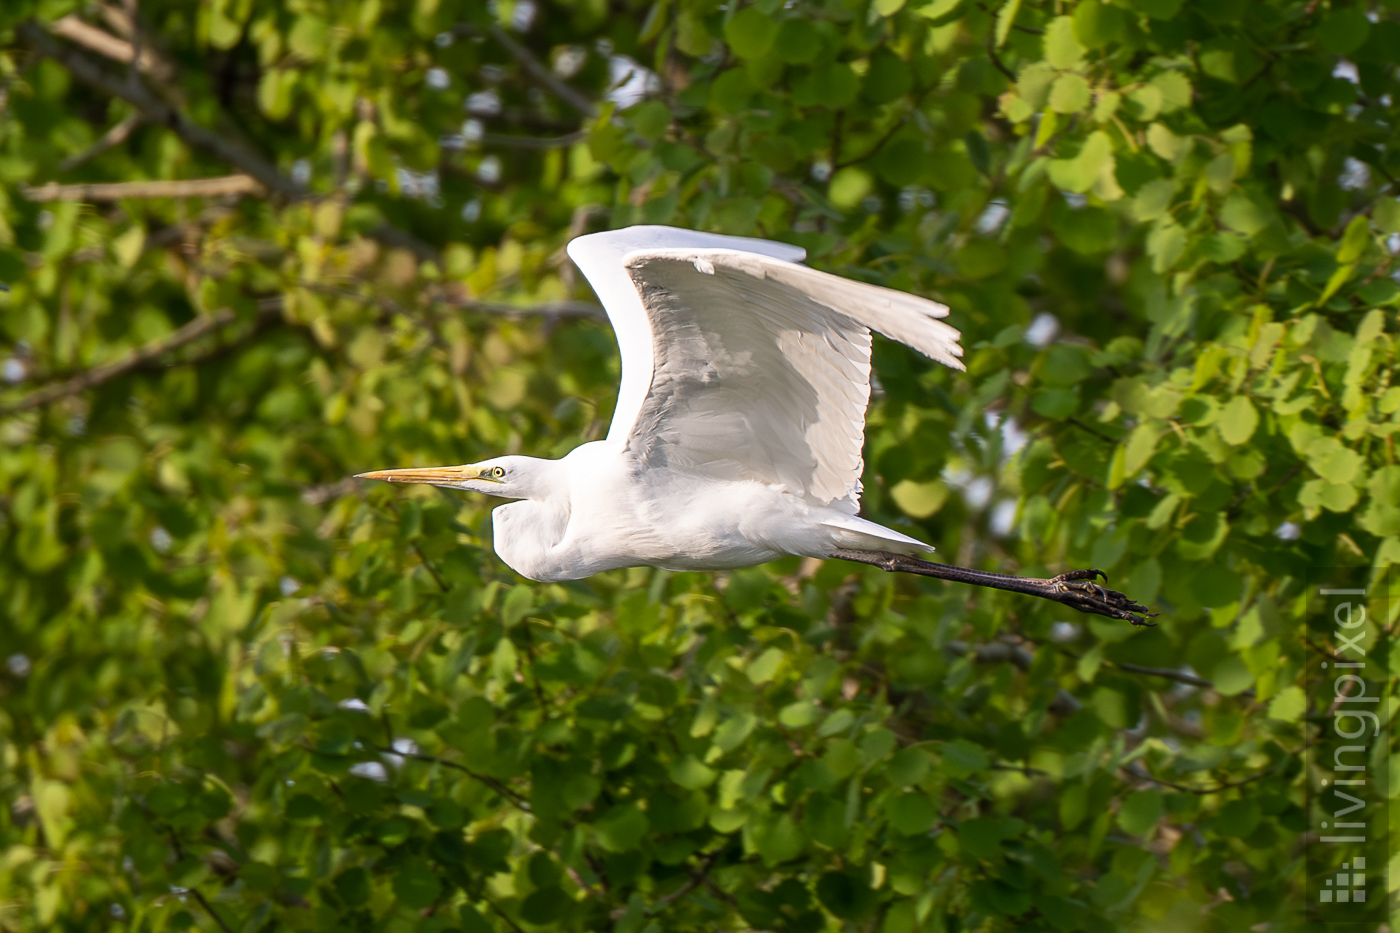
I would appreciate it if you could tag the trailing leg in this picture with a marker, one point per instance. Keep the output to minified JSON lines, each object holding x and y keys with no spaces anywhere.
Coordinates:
{"x":1075,"y":588}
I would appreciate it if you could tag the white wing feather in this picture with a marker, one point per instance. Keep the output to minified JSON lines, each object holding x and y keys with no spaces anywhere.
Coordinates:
{"x":600,"y":255}
{"x":741,"y":364}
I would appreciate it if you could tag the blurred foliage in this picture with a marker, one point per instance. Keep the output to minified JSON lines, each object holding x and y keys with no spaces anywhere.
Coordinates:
{"x":242,"y":693}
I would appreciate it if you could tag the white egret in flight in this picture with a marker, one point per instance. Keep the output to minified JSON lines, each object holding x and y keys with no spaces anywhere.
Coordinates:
{"x":739,"y":424}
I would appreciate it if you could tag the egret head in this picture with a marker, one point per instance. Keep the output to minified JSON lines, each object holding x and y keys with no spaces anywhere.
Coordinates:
{"x":508,"y":477}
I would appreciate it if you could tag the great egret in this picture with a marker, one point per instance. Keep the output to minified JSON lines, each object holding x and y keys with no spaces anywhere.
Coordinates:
{"x":739,"y":424}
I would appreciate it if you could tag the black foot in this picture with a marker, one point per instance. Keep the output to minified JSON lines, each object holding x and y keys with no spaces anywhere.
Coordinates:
{"x":1076,"y":589}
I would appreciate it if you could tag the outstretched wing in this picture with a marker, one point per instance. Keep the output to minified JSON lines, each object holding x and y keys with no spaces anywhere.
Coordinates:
{"x":600,"y":257}
{"x":756,"y":367}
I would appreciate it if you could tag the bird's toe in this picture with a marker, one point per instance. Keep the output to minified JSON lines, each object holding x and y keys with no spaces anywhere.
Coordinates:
{"x":1087,"y":596}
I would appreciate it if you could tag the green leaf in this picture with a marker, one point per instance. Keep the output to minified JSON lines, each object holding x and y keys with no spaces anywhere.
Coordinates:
{"x":1093,"y":161}
{"x":777,"y":838}
{"x":1175,"y":88}
{"x":961,"y":757}
{"x":1165,"y":244}
{"x":919,"y":500}
{"x":1089,"y":230}
{"x":730,"y":92}
{"x":1240,"y":213}
{"x":1097,"y":24}
{"x":750,"y":32}
{"x":1159,"y":9}
{"x":544,"y":906}
{"x":849,"y":186}
{"x":1146,"y":102}
{"x":939,"y":8}
{"x":1062,"y":48}
{"x":1232,"y":676}
{"x":1165,"y":143}
{"x":415,"y":885}
{"x":1220,"y":173}
{"x":908,"y":766}
{"x":1333,"y":460}
{"x":1153,"y":199}
{"x":1344,"y":31}
{"x":981,"y":258}
{"x":1034,"y":83}
{"x":1069,"y":94}
{"x":910,"y":814}
{"x":1238,"y":421}
{"x":691,"y":774}
{"x":1006,"y":18}
{"x":1334,"y":497}
{"x":353,"y":886}
{"x":1354,"y":240}
{"x":650,"y":119}
{"x":982,"y":837}
{"x":763,"y":668}
{"x":796,"y":41}
{"x":888,"y":78}
{"x":1141,"y":811}
{"x":1288,"y":705}
{"x":1055,"y":404}
{"x":1238,"y":818}
{"x":308,"y":36}
{"x":1386,"y":214}
{"x":621,"y":828}
{"x":847,"y":894}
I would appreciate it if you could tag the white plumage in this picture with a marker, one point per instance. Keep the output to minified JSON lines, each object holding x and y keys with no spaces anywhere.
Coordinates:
{"x":739,"y":423}
{"x":740,"y":419}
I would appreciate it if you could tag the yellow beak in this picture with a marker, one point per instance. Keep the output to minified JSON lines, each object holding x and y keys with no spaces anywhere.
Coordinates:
{"x":436,"y":476}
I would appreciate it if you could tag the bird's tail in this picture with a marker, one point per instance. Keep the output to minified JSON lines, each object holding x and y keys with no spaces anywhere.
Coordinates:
{"x":858,"y":534}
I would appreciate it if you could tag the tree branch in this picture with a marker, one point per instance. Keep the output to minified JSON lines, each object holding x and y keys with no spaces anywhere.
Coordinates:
{"x":108,"y":45}
{"x":113,"y":137}
{"x":180,"y":854}
{"x":1064,"y":701}
{"x":532,"y":142}
{"x":142,"y":356}
{"x":115,"y":191}
{"x":1140,"y":772}
{"x":1167,"y":673}
{"x":157,"y":111}
{"x":536,"y":69}
{"x":520,"y":802}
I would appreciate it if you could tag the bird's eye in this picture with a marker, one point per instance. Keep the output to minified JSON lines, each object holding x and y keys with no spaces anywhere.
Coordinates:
{"x":498,"y":472}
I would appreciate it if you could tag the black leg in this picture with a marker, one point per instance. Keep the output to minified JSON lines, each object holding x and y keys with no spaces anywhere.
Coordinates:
{"x":1075,"y":588}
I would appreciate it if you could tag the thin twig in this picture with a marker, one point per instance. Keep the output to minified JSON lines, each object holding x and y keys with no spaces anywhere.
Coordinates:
{"x":157,"y":111}
{"x":1064,"y":701}
{"x":1086,"y":428}
{"x":109,"y":46}
{"x":502,"y":914}
{"x":992,"y":54}
{"x":1169,"y":674}
{"x":429,"y":564}
{"x":115,"y":191}
{"x":520,"y":802}
{"x":113,"y":137}
{"x":1140,"y":772}
{"x":537,"y":69}
{"x":697,"y":878}
{"x":138,"y":358}
{"x":204,"y":902}
{"x":532,"y":142}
